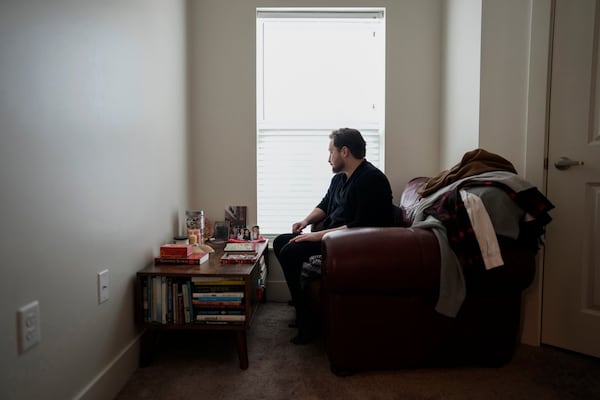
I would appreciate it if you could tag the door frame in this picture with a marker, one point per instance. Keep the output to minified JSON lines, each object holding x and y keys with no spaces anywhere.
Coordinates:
{"x":536,"y":141}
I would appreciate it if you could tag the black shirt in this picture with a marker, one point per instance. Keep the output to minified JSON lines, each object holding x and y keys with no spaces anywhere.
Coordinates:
{"x":365,"y":199}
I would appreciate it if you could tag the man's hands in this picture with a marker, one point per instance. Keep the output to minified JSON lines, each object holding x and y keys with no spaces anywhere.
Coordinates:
{"x":314,"y":216}
{"x":304,"y":237}
{"x":312,"y":236}
{"x":308,"y":237}
{"x":297,"y":227}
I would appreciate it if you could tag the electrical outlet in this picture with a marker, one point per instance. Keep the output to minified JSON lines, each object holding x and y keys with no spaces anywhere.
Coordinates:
{"x":28,"y":325}
{"x":103,"y":286}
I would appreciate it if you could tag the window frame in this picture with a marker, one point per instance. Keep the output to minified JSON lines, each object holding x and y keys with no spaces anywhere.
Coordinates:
{"x":264,"y":125}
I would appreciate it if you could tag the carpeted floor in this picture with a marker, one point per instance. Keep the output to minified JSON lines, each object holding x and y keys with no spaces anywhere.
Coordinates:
{"x":204,"y":365}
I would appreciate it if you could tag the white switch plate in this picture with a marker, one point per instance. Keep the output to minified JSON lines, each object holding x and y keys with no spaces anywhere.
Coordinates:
{"x":28,"y":324}
{"x":103,"y":286}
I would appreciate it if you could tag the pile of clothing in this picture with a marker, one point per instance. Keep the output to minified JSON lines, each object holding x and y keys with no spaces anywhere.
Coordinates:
{"x":468,"y":207}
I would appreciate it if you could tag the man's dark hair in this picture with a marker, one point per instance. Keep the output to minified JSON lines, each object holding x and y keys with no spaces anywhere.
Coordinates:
{"x":352,"y":139}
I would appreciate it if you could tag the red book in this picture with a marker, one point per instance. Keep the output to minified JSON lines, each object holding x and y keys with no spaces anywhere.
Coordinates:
{"x":175,"y":250}
{"x":193,"y":259}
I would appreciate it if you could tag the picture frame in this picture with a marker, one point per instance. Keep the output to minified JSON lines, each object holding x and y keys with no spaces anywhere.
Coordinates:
{"x":244,"y":232}
{"x":236,"y":215}
{"x":254,"y":232}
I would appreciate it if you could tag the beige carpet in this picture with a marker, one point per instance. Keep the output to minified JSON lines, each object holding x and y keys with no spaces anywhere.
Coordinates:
{"x":204,"y":365}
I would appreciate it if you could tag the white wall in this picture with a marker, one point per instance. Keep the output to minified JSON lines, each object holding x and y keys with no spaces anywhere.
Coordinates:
{"x":93,"y":175}
{"x":461,"y":84}
{"x":505,"y":45}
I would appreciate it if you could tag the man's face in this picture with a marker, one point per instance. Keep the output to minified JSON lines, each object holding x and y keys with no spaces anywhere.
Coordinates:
{"x":335,"y":158}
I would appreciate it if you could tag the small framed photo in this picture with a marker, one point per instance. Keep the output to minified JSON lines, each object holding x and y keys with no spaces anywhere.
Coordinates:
{"x":243,"y":232}
{"x":254,"y":232}
{"x":239,"y":232}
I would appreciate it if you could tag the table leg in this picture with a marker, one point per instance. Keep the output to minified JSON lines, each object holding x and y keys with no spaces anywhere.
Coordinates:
{"x":147,"y":343}
{"x":242,"y":348}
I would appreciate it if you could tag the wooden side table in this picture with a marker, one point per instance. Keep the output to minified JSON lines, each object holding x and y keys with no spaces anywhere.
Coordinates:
{"x":252,"y":276}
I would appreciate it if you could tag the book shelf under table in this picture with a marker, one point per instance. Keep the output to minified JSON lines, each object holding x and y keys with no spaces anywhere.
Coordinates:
{"x":248,"y":273}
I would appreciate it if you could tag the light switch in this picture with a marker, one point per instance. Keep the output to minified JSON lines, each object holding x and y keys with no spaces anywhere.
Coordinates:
{"x":103,"y":286}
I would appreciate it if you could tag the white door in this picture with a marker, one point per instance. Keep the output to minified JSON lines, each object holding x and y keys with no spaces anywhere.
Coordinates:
{"x":571,"y":280}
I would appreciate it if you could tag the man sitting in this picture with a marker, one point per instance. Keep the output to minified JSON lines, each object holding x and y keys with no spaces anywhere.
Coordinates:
{"x":359,"y":195}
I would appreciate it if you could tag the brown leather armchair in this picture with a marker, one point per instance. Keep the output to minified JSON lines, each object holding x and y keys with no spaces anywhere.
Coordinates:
{"x":378,"y":292}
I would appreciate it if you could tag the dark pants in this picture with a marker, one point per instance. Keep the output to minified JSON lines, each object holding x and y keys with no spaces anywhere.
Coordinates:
{"x":291,"y":256}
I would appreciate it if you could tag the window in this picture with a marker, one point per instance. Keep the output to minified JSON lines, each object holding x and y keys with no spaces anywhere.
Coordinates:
{"x":317,"y":70}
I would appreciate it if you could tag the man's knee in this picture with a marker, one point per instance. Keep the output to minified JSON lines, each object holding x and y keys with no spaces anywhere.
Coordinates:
{"x":293,"y":251}
{"x":281,"y":241}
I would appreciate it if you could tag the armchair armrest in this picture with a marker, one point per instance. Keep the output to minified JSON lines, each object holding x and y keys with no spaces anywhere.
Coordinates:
{"x":380,"y":260}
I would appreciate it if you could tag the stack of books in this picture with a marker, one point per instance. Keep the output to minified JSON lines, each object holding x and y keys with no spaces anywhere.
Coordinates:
{"x":167,"y":300}
{"x":217,"y":300}
{"x":239,"y":252}
{"x":180,"y":254}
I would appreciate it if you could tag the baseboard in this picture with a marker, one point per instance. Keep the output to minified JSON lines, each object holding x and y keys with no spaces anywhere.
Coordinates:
{"x":114,"y":376}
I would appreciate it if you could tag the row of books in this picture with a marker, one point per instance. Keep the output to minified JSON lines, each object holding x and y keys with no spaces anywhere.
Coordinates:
{"x":169,"y":300}
{"x":218,"y":300}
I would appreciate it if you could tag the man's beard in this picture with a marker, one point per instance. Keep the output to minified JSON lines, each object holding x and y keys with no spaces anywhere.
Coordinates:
{"x":335,"y":168}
